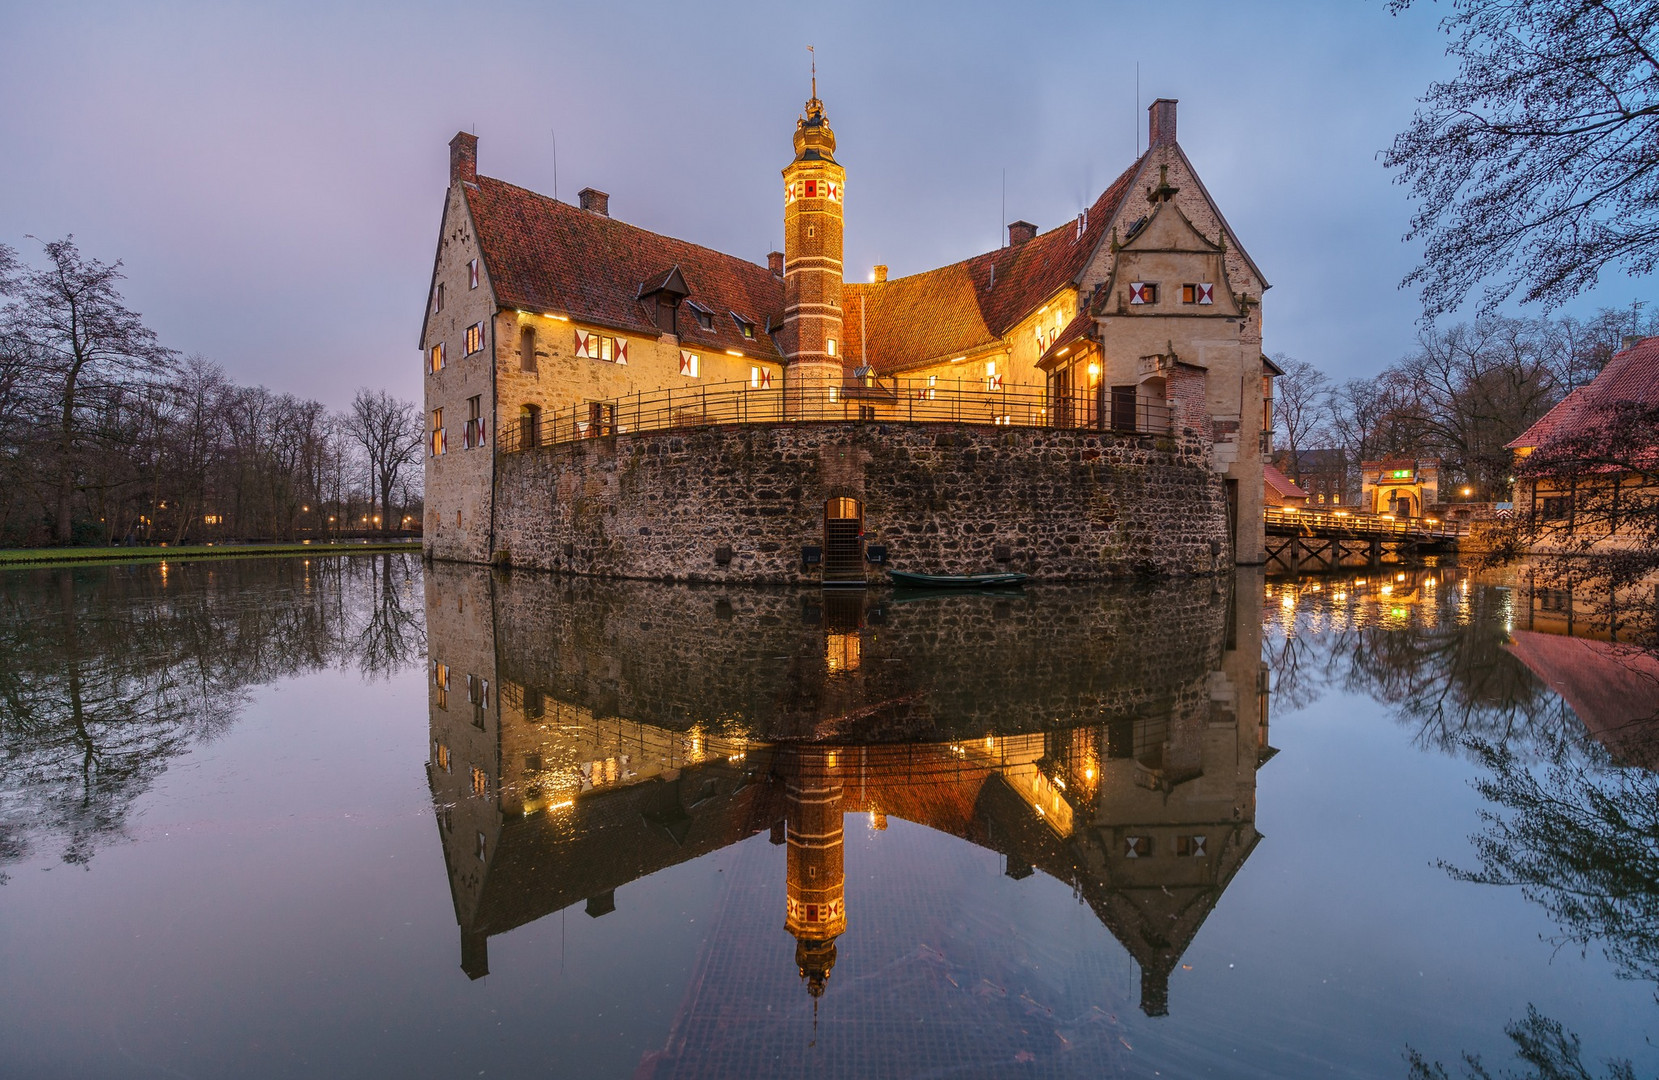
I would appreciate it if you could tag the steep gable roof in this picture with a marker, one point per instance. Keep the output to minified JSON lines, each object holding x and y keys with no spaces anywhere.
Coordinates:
{"x":1281,"y":484}
{"x":973,"y":303}
{"x":546,"y":256}
{"x":1632,"y":375}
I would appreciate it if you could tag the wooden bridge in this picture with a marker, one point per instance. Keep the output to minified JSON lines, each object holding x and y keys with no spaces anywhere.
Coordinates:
{"x":1312,"y":540}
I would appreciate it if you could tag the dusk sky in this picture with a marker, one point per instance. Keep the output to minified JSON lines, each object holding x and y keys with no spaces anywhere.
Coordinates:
{"x":272,"y":174}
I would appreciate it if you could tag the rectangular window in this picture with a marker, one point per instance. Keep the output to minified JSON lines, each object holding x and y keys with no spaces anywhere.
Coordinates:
{"x":689,"y":362}
{"x":438,"y":298}
{"x":744,"y":326}
{"x":1143,"y":292}
{"x":482,"y":843}
{"x":440,"y":683}
{"x":760,"y":378}
{"x":435,"y":358}
{"x":829,"y":346}
{"x":1137,"y":847}
{"x":438,"y":444}
{"x":600,"y":347}
{"x":472,"y":274}
{"x":475,"y":422}
{"x":475,"y":338}
{"x":440,"y":756}
{"x":601,"y":420}
{"x":993,"y":380}
{"x":1198,"y":293}
{"x":1553,"y":507}
{"x":1190,"y":847}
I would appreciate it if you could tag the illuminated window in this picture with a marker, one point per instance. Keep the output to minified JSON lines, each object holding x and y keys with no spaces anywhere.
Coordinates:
{"x":480,"y":782}
{"x":600,"y":347}
{"x":744,"y":326}
{"x":474,"y":434}
{"x":1143,"y":292}
{"x":440,"y":755}
{"x":1191,"y":847}
{"x":438,"y":298}
{"x":1201,"y":293}
{"x":689,"y":363}
{"x":472,"y":274}
{"x":438,"y":443}
{"x":760,"y":378}
{"x":440,"y":683}
{"x":993,"y":381}
{"x":435,"y":358}
{"x":475,"y":338}
{"x":829,"y":346}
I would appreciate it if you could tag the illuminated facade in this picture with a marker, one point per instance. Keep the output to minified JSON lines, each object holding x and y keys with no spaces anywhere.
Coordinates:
{"x":1141,"y":316}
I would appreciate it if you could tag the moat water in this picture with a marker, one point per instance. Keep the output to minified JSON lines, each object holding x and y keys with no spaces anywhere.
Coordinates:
{"x":357,"y":817}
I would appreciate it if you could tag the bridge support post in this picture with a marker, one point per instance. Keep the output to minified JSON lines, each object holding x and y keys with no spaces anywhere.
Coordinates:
{"x":1375,"y":554}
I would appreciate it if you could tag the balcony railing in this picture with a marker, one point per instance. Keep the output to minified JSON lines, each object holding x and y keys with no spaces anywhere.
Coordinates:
{"x":873,"y":401}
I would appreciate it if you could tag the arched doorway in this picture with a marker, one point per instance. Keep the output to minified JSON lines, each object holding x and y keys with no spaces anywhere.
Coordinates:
{"x":843,"y":542}
{"x":1399,"y":503}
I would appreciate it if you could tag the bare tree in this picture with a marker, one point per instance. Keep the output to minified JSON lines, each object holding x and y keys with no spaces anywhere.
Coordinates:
{"x":88,"y":345}
{"x":390,"y":433}
{"x":1300,"y":408}
{"x":1537,"y":166}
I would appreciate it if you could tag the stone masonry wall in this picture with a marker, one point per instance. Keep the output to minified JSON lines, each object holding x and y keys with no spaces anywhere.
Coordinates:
{"x":942,"y":498}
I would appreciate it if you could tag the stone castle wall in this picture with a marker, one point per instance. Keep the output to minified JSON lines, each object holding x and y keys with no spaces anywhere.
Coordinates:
{"x":738,"y":503}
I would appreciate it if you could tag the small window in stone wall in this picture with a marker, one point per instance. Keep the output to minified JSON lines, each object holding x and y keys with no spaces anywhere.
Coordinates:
{"x":482,"y":844}
{"x":435,"y":358}
{"x":438,"y":298}
{"x":689,"y":364}
{"x":472,"y":274}
{"x":1137,"y":847}
{"x":1143,"y":292}
{"x":760,"y":378}
{"x":527,"y":349}
{"x":1190,"y":847}
{"x":475,"y":422}
{"x":475,"y":338}
{"x":439,"y":444}
{"x":1202,"y":292}
{"x":601,"y":347}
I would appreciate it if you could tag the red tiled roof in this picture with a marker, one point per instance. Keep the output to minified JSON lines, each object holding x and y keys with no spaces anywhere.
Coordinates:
{"x":1074,"y":331}
{"x":970,"y":304}
{"x":550,"y":257}
{"x":1614,"y":689}
{"x":1282,"y":484}
{"x":1632,"y":375}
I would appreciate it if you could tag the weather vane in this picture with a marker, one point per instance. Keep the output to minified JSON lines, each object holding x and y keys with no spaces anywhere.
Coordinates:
{"x":814,"y":53}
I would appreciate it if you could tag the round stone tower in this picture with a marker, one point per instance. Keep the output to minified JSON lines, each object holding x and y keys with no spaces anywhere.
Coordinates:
{"x":813,"y":189}
{"x":817,"y":912}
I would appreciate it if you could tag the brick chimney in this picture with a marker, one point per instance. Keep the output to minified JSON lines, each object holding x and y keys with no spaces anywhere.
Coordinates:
{"x":463,"y":158}
{"x":881,"y":273}
{"x":1160,"y":123}
{"x":1019,"y":232}
{"x":595,"y":200}
{"x":774,"y":263}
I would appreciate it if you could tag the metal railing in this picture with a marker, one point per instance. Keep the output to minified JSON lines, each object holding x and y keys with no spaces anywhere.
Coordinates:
{"x":1387,"y":526}
{"x":890,"y":401}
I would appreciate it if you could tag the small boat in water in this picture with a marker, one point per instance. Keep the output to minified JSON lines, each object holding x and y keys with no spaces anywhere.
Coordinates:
{"x":955,"y":581}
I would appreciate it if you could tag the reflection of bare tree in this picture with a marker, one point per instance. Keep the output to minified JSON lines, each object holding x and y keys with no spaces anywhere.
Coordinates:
{"x":107,"y":674}
{"x":1550,"y":1050}
{"x":1435,"y":656}
{"x":1581,"y":841}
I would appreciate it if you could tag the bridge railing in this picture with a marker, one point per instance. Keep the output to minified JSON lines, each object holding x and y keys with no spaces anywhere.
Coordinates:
{"x":1386,"y":526}
{"x":880,"y":401}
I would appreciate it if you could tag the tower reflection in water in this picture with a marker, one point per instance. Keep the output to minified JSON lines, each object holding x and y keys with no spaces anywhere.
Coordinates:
{"x":586,"y":735}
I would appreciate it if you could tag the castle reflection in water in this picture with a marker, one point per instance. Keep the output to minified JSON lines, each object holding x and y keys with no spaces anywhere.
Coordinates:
{"x":586,"y":735}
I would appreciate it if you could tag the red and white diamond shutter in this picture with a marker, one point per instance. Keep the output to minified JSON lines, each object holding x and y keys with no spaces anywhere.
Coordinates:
{"x":1140,"y":292}
{"x":1206,"y":292}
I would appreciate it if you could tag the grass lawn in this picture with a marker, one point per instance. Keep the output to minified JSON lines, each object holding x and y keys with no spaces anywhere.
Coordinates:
{"x":50,"y":556}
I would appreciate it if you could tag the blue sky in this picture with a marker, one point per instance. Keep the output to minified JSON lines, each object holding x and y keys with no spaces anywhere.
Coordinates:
{"x":272,"y":174}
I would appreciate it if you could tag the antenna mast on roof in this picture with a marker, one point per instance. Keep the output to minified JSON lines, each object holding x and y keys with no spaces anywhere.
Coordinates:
{"x":814,"y":53}
{"x":555,"y":135}
{"x":1002,"y":226}
{"x":1137,"y":108}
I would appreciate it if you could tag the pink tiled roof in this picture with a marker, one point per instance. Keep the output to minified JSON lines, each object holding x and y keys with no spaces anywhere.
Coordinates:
{"x":1632,"y":375}
{"x":1613,"y":688}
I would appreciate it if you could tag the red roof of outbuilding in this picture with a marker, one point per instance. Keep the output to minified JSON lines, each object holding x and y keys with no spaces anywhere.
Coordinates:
{"x":1282,"y":484}
{"x":547,"y":256}
{"x":1632,"y":375}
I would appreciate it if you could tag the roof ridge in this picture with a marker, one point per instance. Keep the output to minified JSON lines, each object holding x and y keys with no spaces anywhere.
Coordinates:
{"x":618,"y":222}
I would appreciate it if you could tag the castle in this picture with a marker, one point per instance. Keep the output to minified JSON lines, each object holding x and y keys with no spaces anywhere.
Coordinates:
{"x":1082,"y":402}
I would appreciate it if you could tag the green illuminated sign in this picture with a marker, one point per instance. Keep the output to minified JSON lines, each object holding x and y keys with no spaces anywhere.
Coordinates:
{"x":1401,"y":474}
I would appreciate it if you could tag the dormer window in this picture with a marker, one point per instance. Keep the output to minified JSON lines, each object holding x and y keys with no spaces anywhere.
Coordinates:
{"x":705,"y":317}
{"x":744,"y":326}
